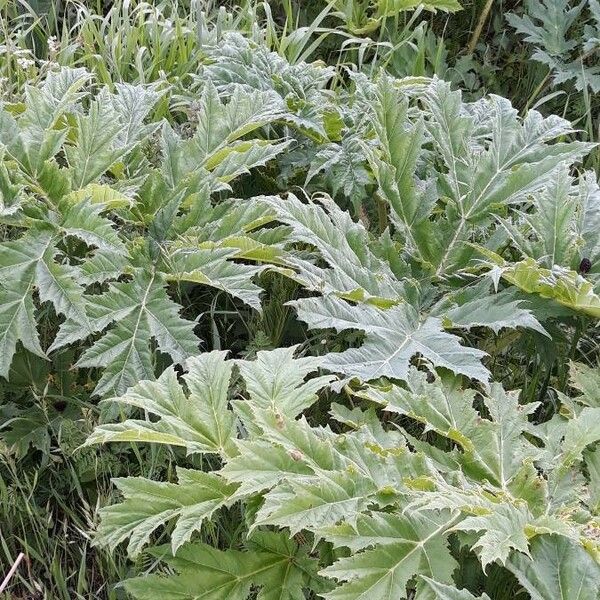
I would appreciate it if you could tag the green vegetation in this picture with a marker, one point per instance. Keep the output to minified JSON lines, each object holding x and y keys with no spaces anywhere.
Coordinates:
{"x":300,"y":300}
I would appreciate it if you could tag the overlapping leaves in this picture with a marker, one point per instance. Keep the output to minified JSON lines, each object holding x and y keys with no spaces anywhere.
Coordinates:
{"x":395,"y":329}
{"x":502,"y":484}
{"x":83,"y":160}
{"x":76,"y":170}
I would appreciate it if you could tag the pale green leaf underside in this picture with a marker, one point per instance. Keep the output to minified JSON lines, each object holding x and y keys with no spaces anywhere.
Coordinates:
{"x":558,"y":570}
{"x":392,"y":338}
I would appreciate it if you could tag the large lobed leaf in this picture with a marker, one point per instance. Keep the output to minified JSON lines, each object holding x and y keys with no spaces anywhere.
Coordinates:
{"x":392,"y":506}
{"x":393,"y":337}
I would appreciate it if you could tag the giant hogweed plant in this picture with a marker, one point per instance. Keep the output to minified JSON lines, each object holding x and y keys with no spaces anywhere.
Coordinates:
{"x":377,"y":504}
{"x":385,"y":501}
{"x":115,"y":224}
{"x":471,"y":186}
{"x":448,"y":174}
{"x":108,"y":238}
{"x":469,"y":189}
{"x":565,"y":37}
{"x":98,"y":232}
{"x":437,"y":164}
{"x":110,"y":218}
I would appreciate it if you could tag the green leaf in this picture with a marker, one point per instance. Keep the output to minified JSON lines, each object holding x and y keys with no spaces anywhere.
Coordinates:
{"x":389,"y":8}
{"x":587,"y":381}
{"x":84,"y":221}
{"x":17,"y":323}
{"x":199,"y":422}
{"x":549,"y":234}
{"x":27,"y":264}
{"x":261,"y":466}
{"x":239,"y":62}
{"x":443,"y":409}
{"x":133,"y":104}
{"x":353,"y":270}
{"x":103,"y":266}
{"x":491,"y":450}
{"x":111,"y":128}
{"x":589,"y":216}
{"x":401,"y":144}
{"x":35,"y":137}
{"x":95,"y":150}
{"x":447,"y":592}
{"x":592,"y":464}
{"x":557,"y":570}
{"x":392,"y":338}
{"x":11,"y":197}
{"x":560,"y":42}
{"x":480,"y":179}
{"x":504,"y":531}
{"x":275,"y":380}
{"x":562,"y":285}
{"x":213,"y":268}
{"x":150,"y":504}
{"x":554,"y":22}
{"x":217,"y":144}
{"x":315,"y":502}
{"x":220,"y":124}
{"x":241,"y":157}
{"x":272,"y":563}
{"x":100,"y":194}
{"x":344,"y":169}
{"x":495,"y":311}
{"x":406,"y":546}
{"x":139,"y":311}
{"x":579,"y":433}
{"x":28,"y":428}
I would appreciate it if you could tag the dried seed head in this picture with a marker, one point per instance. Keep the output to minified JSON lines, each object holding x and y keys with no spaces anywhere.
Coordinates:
{"x":585,"y":265}
{"x":60,"y":405}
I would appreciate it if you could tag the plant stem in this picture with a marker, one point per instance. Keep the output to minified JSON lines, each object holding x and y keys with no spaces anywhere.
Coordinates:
{"x":479,"y":27}
{"x":12,"y":571}
{"x":382,"y":215}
